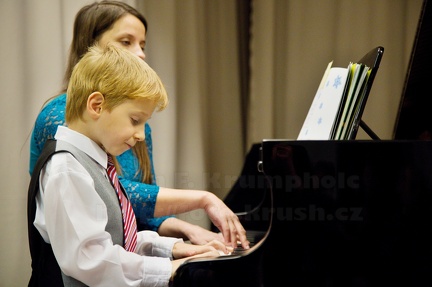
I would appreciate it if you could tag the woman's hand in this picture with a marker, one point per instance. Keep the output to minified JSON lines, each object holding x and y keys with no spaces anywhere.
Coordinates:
{"x":194,"y":233}
{"x":176,"y":201}
{"x":226,"y":221}
{"x":198,"y":235}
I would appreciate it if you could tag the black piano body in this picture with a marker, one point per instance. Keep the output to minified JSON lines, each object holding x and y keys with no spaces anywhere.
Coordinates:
{"x":338,"y":213}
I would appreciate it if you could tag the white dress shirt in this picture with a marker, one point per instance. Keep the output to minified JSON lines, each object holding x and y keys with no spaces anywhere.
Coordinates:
{"x":72,"y":217}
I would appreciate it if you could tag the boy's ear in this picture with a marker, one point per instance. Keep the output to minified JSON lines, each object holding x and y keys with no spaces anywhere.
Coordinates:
{"x":94,"y":104}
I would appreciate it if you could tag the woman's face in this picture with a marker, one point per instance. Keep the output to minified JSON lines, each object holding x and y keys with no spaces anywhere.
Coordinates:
{"x":127,"y":32}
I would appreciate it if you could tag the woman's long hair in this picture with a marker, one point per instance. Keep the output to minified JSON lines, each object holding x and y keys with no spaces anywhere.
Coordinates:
{"x":90,"y":23}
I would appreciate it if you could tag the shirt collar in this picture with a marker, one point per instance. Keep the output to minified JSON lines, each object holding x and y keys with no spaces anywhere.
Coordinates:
{"x":83,"y":143}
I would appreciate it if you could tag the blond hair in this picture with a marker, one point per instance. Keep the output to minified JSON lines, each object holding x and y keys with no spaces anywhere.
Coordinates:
{"x":117,"y":74}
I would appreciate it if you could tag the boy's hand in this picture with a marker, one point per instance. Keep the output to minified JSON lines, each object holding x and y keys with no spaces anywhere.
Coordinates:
{"x":213,"y":248}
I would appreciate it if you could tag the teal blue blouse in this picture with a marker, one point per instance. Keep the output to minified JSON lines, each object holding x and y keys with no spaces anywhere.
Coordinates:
{"x":142,"y":196}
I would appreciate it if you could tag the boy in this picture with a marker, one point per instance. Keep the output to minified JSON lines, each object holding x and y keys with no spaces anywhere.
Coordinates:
{"x":82,"y":230}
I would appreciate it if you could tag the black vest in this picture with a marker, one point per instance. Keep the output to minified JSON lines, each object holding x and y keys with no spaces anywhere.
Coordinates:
{"x":45,"y":269}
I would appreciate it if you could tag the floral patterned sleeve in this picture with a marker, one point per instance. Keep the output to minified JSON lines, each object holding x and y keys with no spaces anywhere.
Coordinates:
{"x":143,"y":196}
{"x":140,"y":194}
{"x":49,"y":118}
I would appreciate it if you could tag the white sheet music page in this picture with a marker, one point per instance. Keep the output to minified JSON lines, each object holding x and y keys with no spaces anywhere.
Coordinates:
{"x":325,"y":105}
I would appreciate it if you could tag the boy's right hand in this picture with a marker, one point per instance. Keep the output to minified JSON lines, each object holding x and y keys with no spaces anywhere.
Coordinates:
{"x":182,"y":250}
{"x":185,"y":251}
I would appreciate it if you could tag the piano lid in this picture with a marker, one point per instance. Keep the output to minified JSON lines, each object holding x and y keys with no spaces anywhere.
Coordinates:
{"x":414,"y":119}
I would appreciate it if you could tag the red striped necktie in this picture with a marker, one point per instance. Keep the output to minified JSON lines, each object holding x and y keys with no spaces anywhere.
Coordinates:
{"x":129,"y":221}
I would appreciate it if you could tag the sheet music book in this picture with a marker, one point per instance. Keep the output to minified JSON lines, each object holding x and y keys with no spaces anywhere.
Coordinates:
{"x":351,"y":104}
{"x":336,"y":102}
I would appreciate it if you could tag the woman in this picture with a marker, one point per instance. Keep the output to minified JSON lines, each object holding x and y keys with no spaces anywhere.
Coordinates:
{"x":118,"y":23}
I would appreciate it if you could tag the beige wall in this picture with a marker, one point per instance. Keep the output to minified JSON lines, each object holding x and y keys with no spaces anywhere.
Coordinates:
{"x":36,"y":34}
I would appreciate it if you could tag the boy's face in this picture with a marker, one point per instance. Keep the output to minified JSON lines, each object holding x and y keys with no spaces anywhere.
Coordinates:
{"x":120,"y":129}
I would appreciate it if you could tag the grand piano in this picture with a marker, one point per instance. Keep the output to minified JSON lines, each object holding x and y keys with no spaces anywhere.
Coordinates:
{"x":336,"y":213}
